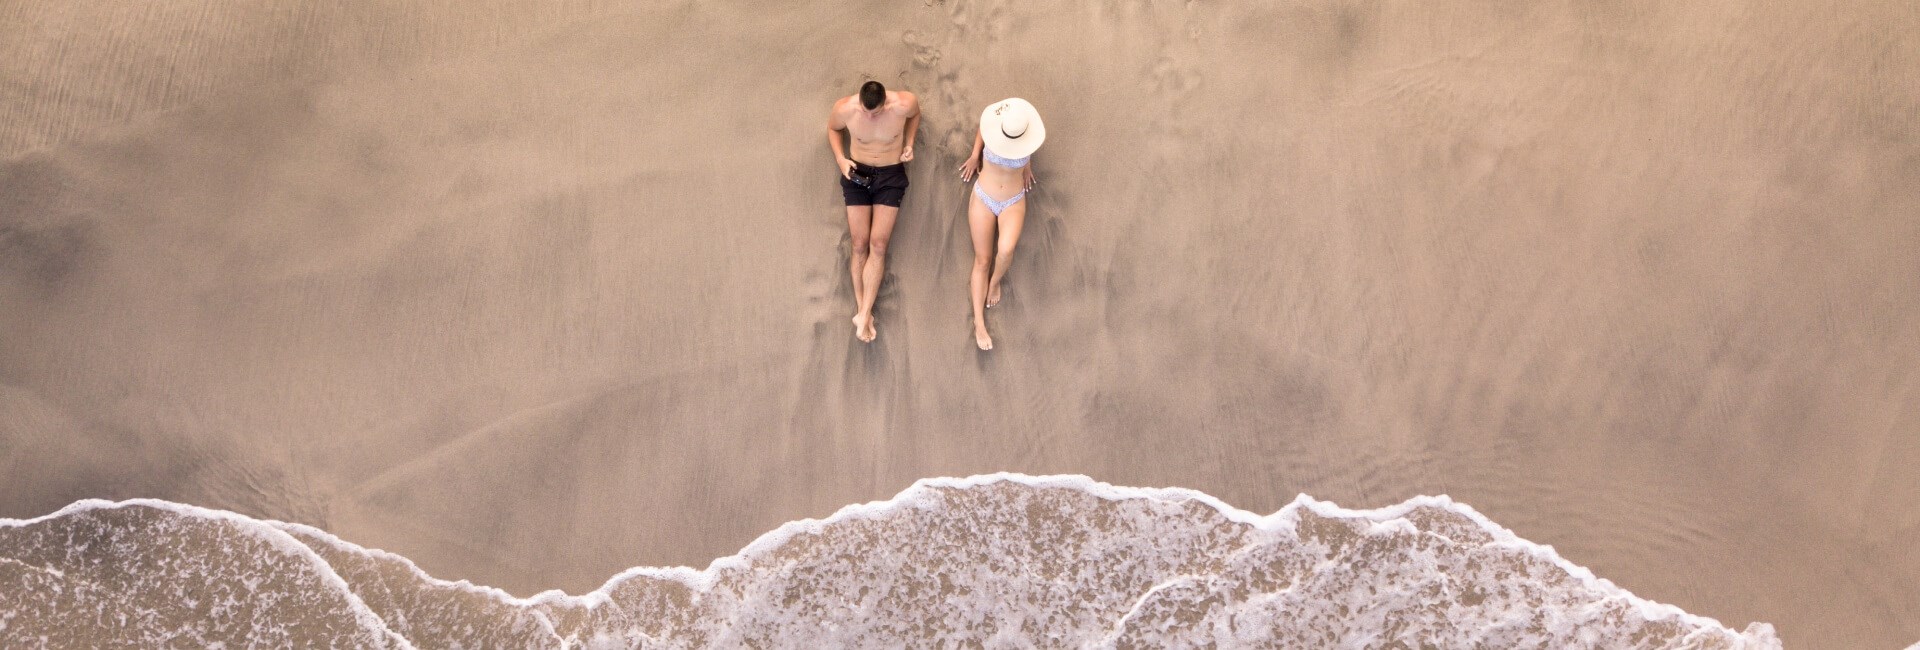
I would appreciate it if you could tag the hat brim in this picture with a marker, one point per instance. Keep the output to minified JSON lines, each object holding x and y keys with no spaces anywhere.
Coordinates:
{"x":1010,"y":147}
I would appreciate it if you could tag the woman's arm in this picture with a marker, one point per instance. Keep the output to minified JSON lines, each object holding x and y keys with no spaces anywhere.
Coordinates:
{"x":972,"y":164}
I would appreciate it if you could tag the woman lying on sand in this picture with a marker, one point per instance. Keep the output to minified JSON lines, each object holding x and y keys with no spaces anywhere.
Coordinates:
{"x":1010,"y":131}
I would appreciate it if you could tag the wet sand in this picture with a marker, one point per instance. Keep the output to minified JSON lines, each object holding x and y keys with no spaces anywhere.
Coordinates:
{"x":533,"y":294}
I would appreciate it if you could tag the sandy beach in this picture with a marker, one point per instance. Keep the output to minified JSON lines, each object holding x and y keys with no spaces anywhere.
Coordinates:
{"x":531,"y":293}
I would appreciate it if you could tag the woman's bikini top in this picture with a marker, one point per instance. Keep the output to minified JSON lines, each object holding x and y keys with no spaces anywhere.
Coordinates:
{"x":1009,"y":163}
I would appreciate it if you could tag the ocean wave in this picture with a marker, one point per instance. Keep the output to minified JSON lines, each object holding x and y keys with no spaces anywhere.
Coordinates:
{"x":1000,"y":560}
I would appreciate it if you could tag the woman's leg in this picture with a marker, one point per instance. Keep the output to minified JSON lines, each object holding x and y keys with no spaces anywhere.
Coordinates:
{"x":980,"y":223}
{"x":1011,"y":221}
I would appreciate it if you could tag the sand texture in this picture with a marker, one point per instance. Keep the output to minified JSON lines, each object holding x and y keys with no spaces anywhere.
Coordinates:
{"x":530,"y":293}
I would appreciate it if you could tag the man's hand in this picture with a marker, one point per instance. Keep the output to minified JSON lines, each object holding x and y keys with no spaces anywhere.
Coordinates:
{"x":906,"y":153}
{"x":846,"y":168}
{"x":969,"y":168}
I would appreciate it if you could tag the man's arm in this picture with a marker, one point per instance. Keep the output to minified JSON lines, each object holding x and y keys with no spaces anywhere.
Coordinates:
{"x":836,"y":124}
{"x":912,"y":102}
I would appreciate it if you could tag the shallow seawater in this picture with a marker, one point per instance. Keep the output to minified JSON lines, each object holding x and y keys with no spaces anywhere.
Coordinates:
{"x":988,"y":561}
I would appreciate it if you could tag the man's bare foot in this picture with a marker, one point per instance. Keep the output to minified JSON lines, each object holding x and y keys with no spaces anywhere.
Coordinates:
{"x":863,"y":328}
{"x":860,"y":325}
{"x":981,"y":339}
{"x":993,"y":295}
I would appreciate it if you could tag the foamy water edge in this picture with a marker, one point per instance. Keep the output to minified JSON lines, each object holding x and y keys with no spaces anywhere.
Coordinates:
{"x":1389,"y":520}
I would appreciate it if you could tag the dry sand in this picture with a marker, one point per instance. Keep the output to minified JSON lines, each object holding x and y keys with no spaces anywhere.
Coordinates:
{"x":533,"y":294}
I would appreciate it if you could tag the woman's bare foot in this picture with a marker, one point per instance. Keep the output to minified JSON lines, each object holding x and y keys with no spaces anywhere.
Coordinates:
{"x":863,"y":328}
{"x":981,"y":339}
{"x":993,"y":295}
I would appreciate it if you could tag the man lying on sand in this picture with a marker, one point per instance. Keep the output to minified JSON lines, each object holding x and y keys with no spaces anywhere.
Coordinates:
{"x":880,"y":127}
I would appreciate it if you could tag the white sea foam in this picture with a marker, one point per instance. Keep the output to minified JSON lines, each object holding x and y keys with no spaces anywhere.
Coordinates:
{"x":148,"y":573}
{"x":995,"y":560}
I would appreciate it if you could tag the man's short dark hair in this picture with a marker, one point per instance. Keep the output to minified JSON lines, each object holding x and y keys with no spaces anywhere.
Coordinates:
{"x":872,"y":95}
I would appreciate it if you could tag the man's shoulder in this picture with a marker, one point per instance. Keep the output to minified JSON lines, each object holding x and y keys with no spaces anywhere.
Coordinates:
{"x":906,"y":103}
{"x":842,"y":112}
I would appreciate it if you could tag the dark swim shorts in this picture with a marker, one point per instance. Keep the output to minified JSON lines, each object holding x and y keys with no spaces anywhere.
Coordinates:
{"x":889,"y":185}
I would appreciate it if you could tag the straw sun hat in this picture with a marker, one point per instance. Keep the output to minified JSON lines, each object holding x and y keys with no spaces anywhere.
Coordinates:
{"x":1012,"y":129}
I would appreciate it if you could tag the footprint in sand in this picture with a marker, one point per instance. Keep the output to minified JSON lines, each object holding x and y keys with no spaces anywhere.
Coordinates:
{"x":925,"y":56}
{"x":1173,"y":78}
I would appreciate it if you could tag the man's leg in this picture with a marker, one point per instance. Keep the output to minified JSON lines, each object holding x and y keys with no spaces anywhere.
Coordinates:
{"x":859,"y":221}
{"x":883,"y":218}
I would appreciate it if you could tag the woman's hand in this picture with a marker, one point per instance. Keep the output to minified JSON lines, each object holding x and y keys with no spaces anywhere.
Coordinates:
{"x":1027,"y":175}
{"x":969,"y":168}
